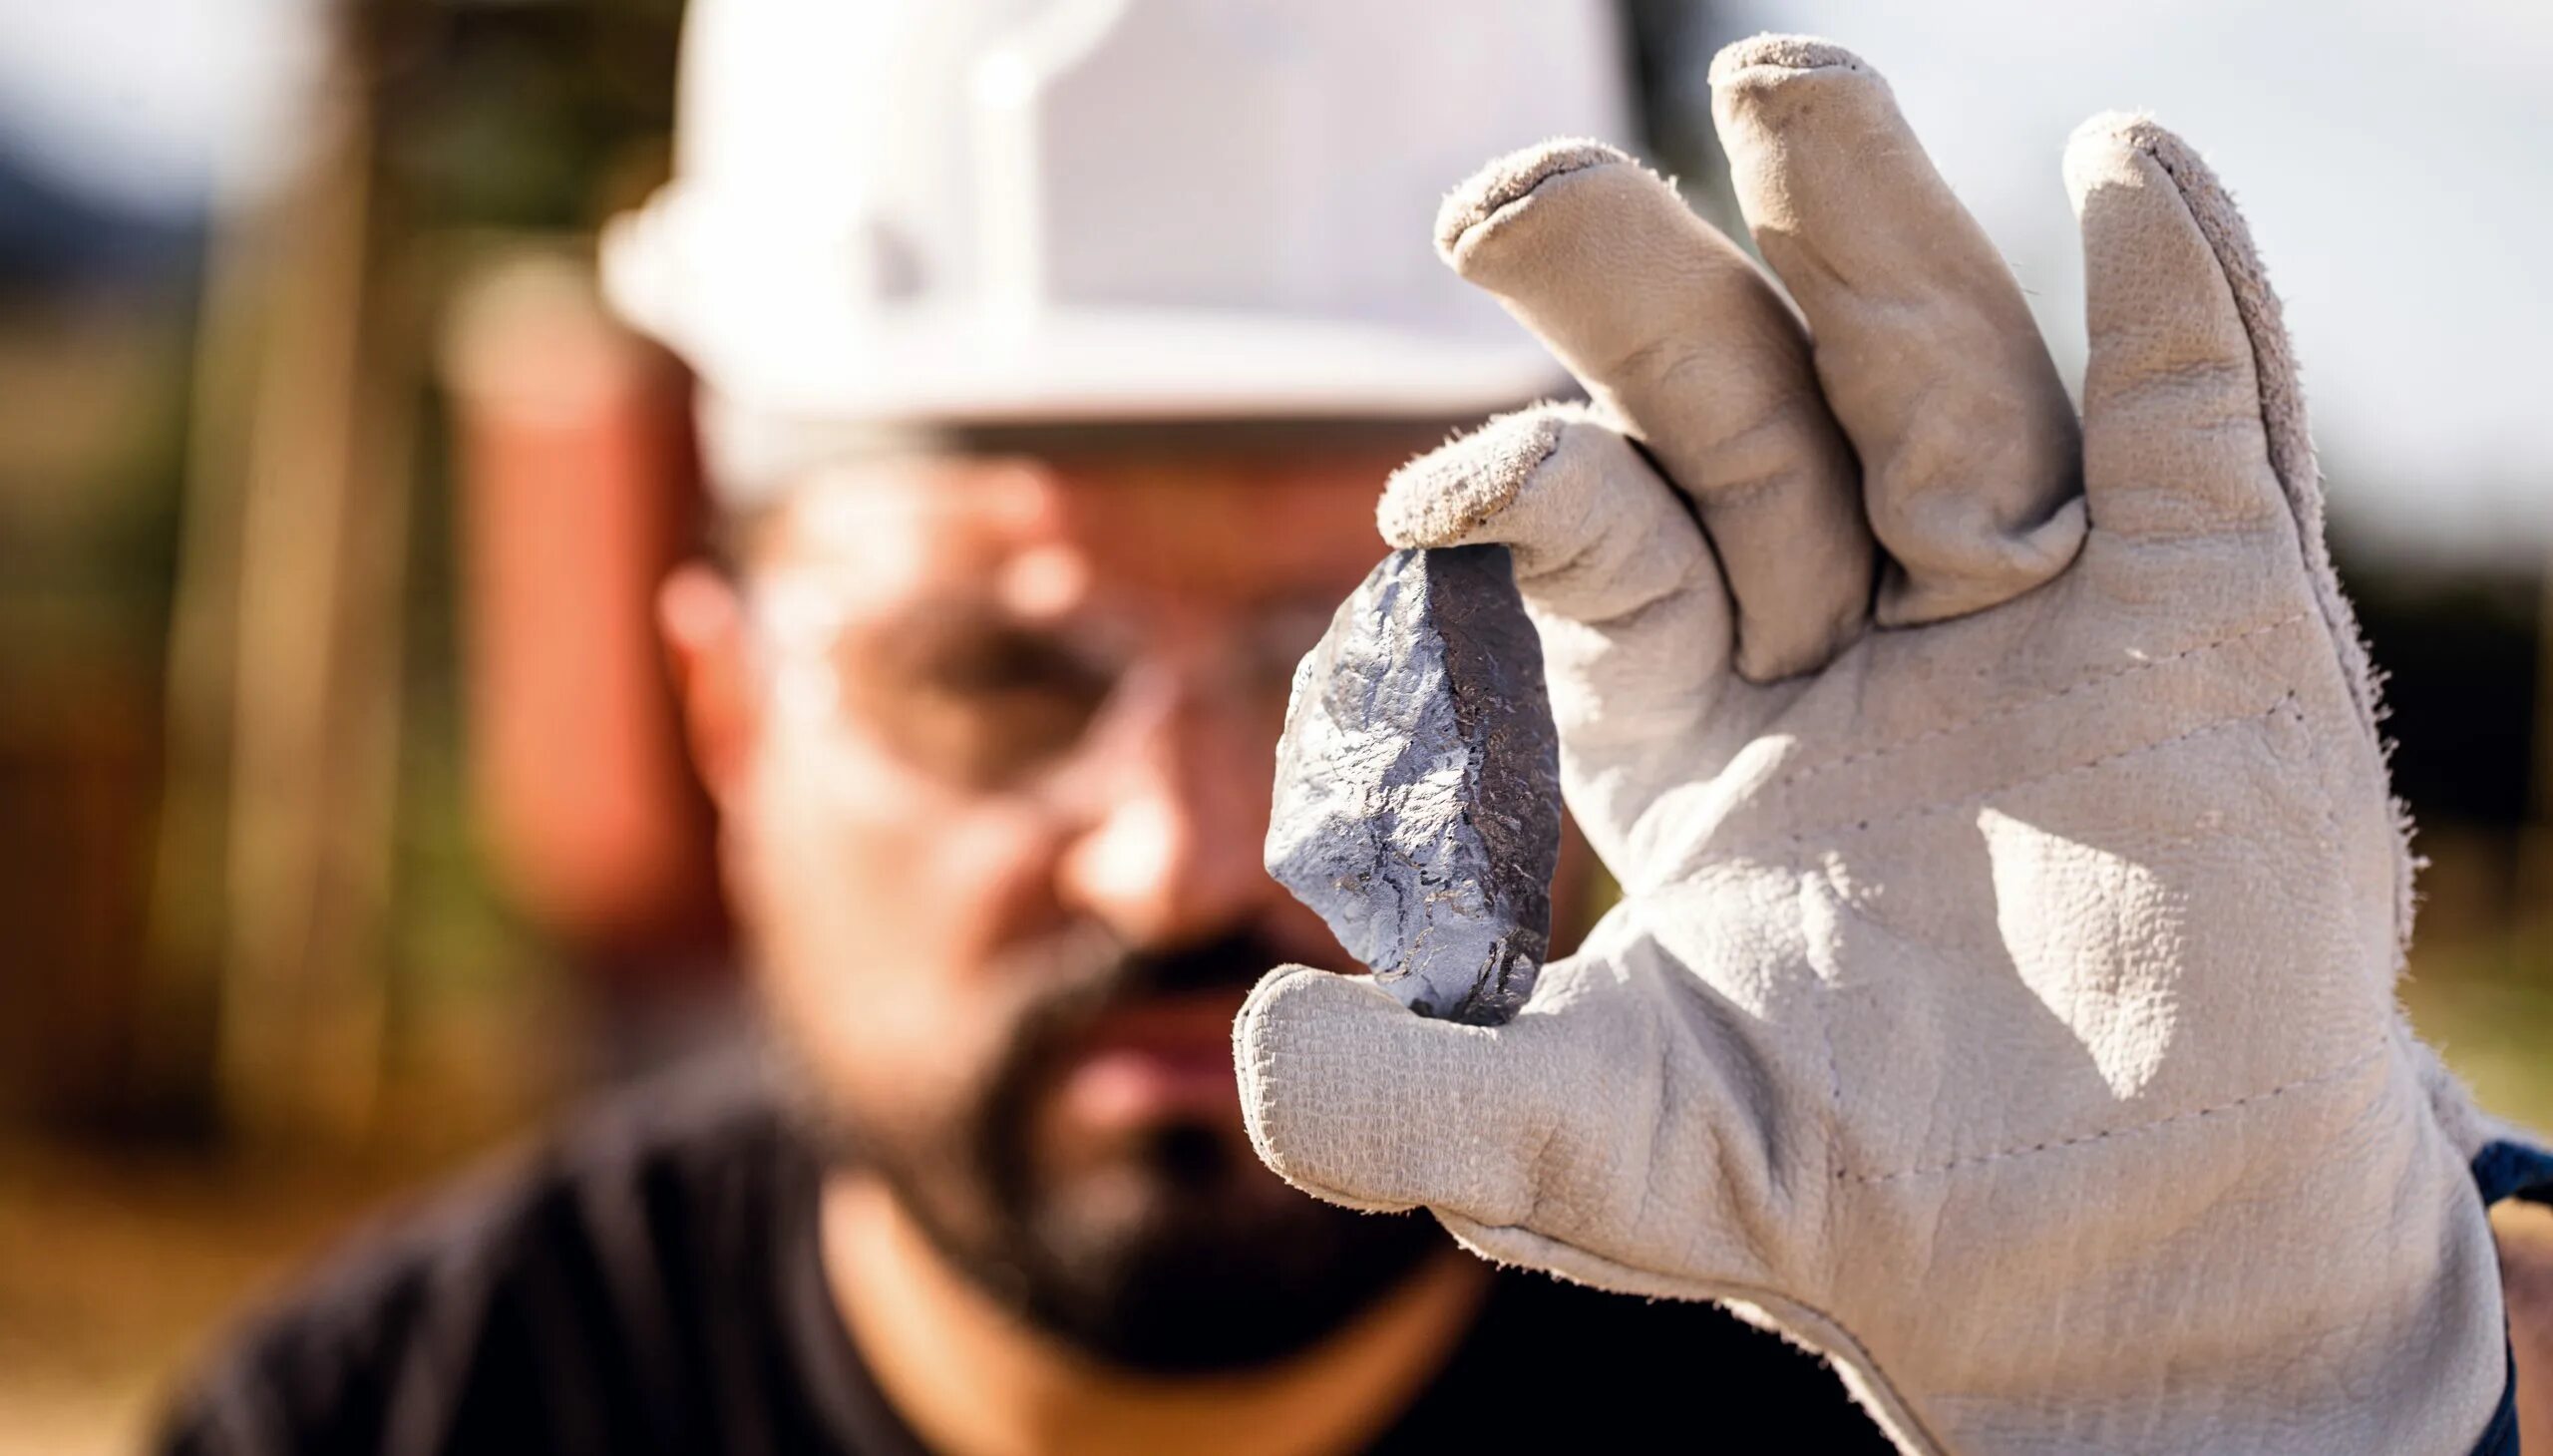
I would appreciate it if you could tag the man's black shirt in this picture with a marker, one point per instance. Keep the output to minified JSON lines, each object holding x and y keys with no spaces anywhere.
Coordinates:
{"x":650,"y":1281}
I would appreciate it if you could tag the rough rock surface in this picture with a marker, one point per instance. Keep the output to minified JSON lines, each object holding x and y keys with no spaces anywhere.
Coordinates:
{"x":1417,"y":802}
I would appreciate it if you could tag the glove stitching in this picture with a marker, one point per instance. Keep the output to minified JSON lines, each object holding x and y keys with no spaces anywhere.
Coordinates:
{"x":2330,"y":1074}
{"x":2016,"y":709}
{"x":1540,"y":582}
{"x":1534,"y":1184}
{"x":2327,"y":803}
{"x":2323,"y":800}
{"x":1826,"y":1033}
{"x":1661,"y":1105}
{"x":1829,"y":1337}
{"x":1733,"y":496}
{"x":1805,"y":839}
{"x":1623,"y":621}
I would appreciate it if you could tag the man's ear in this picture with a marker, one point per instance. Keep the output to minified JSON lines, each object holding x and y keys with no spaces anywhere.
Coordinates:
{"x":703,"y":622}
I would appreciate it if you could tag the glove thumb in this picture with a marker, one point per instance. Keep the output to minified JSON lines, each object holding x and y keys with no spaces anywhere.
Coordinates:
{"x":1355,"y":1099}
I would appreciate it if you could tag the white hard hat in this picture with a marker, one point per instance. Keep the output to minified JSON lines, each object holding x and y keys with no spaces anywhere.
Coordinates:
{"x":989,"y":212}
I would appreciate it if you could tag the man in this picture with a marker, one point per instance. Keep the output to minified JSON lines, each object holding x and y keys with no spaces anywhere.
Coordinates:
{"x":988,"y":695}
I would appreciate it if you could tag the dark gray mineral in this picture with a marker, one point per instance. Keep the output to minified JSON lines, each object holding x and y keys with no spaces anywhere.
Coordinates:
{"x":1417,"y":802}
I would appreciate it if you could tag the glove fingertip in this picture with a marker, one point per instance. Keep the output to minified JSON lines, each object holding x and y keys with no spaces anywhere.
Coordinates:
{"x":1444,"y":495}
{"x":1511,"y":180}
{"x":1293,"y":1035}
{"x":1776,"y":52}
{"x":1296,"y":1007}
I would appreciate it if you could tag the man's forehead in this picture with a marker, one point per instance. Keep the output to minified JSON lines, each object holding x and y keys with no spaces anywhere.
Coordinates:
{"x":1236,"y":525}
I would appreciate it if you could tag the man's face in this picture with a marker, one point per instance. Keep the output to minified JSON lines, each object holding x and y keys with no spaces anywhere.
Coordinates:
{"x":995,"y":825}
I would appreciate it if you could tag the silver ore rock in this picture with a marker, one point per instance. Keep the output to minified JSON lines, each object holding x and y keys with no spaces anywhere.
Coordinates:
{"x":1417,"y":802}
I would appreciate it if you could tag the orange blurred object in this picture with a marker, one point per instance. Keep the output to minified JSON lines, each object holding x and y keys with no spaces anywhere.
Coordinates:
{"x":579,"y":492}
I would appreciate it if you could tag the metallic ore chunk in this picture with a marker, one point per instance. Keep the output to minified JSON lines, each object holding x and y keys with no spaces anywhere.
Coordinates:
{"x":1417,"y":801}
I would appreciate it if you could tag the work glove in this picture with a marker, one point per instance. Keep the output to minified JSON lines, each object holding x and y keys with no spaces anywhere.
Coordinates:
{"x":2000,"y":999}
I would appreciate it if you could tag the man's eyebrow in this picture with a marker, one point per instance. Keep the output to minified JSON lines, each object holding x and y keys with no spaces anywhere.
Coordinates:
{"x":848,"y":583}
{"x":1077,"y":632}
{"x":994,"y":607}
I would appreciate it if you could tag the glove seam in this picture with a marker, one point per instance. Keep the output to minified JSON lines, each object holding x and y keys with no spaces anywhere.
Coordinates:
{"x":1737,"y":496}
{"x":1877,"y":1393}
{"x":2012,"y":710}
{"x":2299,"y":1084}
{"x":1794,"y":843}
{"x":1834,"y":1069}
{"x":1542,"y":575}
{"x":1535,"y":1179}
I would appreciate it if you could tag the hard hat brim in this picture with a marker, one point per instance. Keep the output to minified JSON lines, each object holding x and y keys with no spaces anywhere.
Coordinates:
{"x":856,"y":361}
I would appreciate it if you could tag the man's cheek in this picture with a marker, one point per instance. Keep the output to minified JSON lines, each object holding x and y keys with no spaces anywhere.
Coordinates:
{"x":833,"y":872}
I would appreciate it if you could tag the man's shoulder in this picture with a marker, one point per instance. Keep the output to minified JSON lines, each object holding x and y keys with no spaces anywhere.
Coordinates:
{"x":588,"y":1232}
{"x":623,"y":1169}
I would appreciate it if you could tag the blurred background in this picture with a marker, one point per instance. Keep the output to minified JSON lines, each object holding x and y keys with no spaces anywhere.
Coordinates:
{"x":344,"y":827}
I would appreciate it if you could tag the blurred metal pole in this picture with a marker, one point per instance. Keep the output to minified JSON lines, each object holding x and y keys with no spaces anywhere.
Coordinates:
{"x":322,"y":524}
{"x":175,"y":1044}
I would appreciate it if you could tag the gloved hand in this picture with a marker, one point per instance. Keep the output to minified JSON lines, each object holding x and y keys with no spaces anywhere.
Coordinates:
{"x":2001,"y":999}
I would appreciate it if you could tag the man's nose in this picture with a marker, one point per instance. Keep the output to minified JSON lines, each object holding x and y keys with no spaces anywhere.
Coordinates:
{"x":1170,"y":853}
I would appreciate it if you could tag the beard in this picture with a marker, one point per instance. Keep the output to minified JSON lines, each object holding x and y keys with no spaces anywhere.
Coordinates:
{"x":1181,"y":1255}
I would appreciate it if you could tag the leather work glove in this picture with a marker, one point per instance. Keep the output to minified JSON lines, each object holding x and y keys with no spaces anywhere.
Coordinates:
{"x":2001,"y":1000}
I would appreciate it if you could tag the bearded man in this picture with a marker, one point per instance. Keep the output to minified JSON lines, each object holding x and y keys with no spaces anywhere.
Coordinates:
{"x":1999,"y":1007}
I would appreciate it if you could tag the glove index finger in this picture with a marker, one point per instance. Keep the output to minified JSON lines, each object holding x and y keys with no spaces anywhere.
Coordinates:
{"x":1634,"y":618}
{"x":1685,"y":343}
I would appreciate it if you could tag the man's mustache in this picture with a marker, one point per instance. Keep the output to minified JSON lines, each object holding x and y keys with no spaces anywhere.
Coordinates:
{"x":1077,"y":972}
{"x":1232,"y":961}
{"x":1068,"y":981}
{"x":1057,"y":985}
